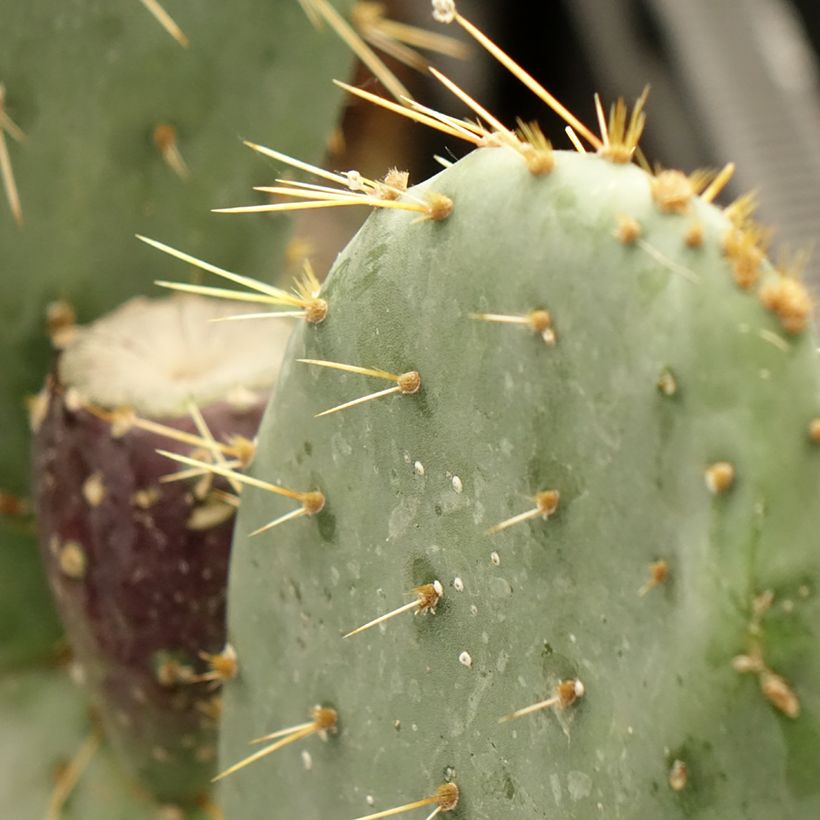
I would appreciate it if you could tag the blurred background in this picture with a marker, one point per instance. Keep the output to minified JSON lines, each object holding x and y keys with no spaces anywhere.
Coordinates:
{"x":731,"y":80}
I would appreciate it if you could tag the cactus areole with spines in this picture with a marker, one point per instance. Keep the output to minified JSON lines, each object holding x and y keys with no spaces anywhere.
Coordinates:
{"x":668,"y":411}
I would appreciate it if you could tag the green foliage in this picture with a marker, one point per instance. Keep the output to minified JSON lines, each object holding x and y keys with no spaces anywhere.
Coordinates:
{"x":414,"y":482}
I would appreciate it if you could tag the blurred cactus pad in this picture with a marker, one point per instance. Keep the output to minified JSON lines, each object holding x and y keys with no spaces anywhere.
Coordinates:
{"x":88,"y":84}
{"x":111,"y":126}
{"x":572,"y":433}
{"x":103,"y":95}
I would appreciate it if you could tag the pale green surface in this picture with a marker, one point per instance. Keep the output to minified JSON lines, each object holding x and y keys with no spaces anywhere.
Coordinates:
{"x":510,"y":416}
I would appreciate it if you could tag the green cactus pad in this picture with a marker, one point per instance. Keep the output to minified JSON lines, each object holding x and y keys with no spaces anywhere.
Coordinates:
{"x":88,"y":82}
{"x":669,"y":725}
{"x":45,"y":725}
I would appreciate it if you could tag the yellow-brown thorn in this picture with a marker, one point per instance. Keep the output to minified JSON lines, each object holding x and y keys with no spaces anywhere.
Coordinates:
{"x":165,"y":139}
{"x":166,"y":21}
{"x":323,"y":720}
{"x":678,"y":775}
{"x":673,"y":191}
{"x":746,"y":242}
{"x":395,"y":182}
{"x":621,"y":135}
{"x":628,"y":231}
{"x":305,"y":298}
{"x":667,"y":384}
{"x":7,"y":125}
{"x":741,"y":212}
{"x":501,"y":135}
{"x":720,"y":477}
{"x":312,"y":501}
{"x":658,"y":575}
{"x":125,"y":418}
{"x":445,"y":799}
{"x":787,"y":297}
{"x":814,"y":431}
{"x":519,"y":73}
{"x":14,"y":506}
{"x":694,"y":235}
{"x":538,"y":320}
{"x":779,"y":693}
{"x":70,"y":775}
{"x":720,"y":181}
{"x":566,"y":693}
{"x":535,"y":148}
{"x":407,"y":383}
{"x":546,"y":503}
{"x":434,"y":206}
{"x":401,"y":40}
{"x":316,"y":9}
{"x":61,"y":323}
{"x":774,"y":687}
{"x":427,"y":598}
{"x":222,"y":666}
{"x":421,"y":114}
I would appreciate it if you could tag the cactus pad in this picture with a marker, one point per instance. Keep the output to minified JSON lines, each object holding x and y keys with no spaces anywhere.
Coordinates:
{"x":614,"y":488}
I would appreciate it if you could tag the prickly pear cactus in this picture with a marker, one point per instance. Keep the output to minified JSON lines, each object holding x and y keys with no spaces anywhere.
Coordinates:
{"x":136,"y":554}
{"x":121,"y":129}
{"x":596,"y":477}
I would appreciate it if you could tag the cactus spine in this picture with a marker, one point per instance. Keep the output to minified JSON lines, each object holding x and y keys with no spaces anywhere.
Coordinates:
{"x":606,"y":469}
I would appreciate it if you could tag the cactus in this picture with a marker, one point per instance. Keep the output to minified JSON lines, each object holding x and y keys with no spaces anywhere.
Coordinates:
{"x":594,"y":474}
{"x":108,"y":104}
{"x":46,"y":737}
{"x":138,"y":560}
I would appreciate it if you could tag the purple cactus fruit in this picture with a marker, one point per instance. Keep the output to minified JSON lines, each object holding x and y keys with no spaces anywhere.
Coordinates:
{"x":137,"y":562}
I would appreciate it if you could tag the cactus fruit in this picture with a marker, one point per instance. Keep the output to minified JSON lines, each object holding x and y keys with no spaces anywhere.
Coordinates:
{"x":138,"y":563}
{"x":600,"y":491}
